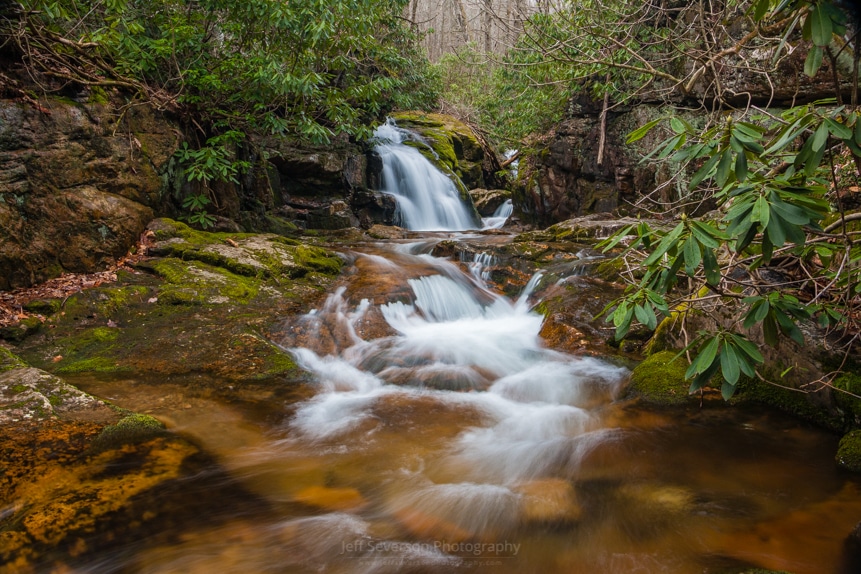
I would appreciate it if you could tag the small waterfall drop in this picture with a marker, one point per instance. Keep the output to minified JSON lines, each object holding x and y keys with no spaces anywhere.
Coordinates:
{"x":500,"y":216}
{"x":427,"y":199}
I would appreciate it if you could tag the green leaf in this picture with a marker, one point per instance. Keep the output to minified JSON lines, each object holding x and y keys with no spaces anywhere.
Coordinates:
{"x":820,"y":26}
{"x":775,"y":231}
{"x":760,"y":9}
{"x":641,"y":131}
{"x":745,"y":239}
{"x":820,"y":137}
{"x":747,"y":348}
{"x":769,"y":329}
{"x":704,"y":171}
{"x":727,"y":390}
{"x":711,"y":268}
{"x":704,"y":377}
{"x":692,"y":253}
{"x":723,"y":168}
{"x":668,"y":241}
{"x":741,"y":167}
{"x":813,"y":61}
{"x":839,"y":130}
{"x":677,"y":125}
{"x":729,"y":364}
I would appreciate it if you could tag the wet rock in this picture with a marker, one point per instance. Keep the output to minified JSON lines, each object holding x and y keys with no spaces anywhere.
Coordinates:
{"x":487,"y":201}
{"x":454,"y":144}
{"x":332,"y":499}
{"x":849,"y":451}
{"x":29,"y":394}
{"x":661,"y":380}
{"x":207,"y":306}
{"x":548,"y":500}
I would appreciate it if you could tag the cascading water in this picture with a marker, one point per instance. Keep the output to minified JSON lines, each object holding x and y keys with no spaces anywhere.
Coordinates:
{"x":438,"y":434}
{"x":500,"y":216}
{"x":427,"y":200}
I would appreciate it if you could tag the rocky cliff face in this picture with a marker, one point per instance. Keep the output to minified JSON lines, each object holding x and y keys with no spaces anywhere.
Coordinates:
{"x":564,"y":178}
{"x":79,"y":181}
{"x":77,"y":187}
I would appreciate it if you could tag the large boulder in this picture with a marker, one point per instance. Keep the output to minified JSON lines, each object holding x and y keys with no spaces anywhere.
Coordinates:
{"x":78,"y":184}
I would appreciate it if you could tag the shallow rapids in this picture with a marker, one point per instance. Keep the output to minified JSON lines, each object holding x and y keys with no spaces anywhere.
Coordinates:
{"x":436,"y":433}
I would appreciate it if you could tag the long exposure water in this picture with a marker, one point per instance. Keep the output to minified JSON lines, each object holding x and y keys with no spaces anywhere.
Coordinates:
{"x":438,"y":434}
{"x":427,"y":200}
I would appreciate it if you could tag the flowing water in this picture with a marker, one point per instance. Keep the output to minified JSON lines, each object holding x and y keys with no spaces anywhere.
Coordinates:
{"x":439,"y":434}
{"x":427,"y":200}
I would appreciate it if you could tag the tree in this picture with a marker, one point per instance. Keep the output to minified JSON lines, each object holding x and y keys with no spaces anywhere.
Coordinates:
{"x":777,"y":179}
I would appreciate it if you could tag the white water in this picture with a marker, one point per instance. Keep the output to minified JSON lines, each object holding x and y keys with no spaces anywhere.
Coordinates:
{"x":427,"y":200}
{"x":529,"y":413}
{"x":500,"y":216}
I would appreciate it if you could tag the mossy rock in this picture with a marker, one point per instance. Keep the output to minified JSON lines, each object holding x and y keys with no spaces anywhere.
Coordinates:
{"x":849,"y":451}
{"x":661,"y":380}
{"x":43,"y":306}
{"x":849,"y":404}
{"x":9,"y":360}
{"x":22,"y":330}
{"x":786,"y":399}
{"x":132,"y":429}
{"x":249,"y":255}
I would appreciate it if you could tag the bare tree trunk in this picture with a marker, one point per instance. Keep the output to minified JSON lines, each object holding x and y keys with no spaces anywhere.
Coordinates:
{"x":487,"y":22}
{"x":413,"y":22}
{"x":461,"y":20}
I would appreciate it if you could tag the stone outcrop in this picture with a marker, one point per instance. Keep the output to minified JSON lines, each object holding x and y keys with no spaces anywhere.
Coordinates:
{"x":77,"y":185}
{"x":452,"y":145}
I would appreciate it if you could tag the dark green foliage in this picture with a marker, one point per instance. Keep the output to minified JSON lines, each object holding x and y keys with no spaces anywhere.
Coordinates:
{"x":309,"y":69}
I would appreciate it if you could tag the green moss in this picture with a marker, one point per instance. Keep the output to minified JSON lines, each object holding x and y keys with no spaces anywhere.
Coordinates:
{"x":91,"y":365}
{"x":609,"y":269}
{"x":43,"y":306}
{"x":193,"y":282}
{"x":851,"y":383}
{"x":787,"y":400}
{"x":132,"y":429}
{"x":114,"y":299}
{"x":849,"y":451}
{"x":22,"y":330}
{"x":18,"y":388}
{"x":318,"y":259}
{"x":661,"y":380}
{"x":9,"y":361}
{"x":104,"y":334}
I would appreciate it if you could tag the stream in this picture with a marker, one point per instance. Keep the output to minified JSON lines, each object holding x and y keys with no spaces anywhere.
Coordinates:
{"x":439,"y":434}
{"x":436,"y":432}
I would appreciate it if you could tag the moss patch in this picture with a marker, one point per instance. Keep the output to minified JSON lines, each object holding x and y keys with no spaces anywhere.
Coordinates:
{"x":787,"y":400}
{"x":849,"y":451}
{"x":9,"y":360}
{"x":193,"y":282}
{"x":91,"y":365}
{"x":660,"y":380}
{"x":318,"y":259}
{"x":132,"y":429}
{"x":850,"y":405}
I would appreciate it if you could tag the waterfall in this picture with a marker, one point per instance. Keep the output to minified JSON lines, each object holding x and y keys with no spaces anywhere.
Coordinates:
{"x":427,"y":200}
{"x":500,"y":216}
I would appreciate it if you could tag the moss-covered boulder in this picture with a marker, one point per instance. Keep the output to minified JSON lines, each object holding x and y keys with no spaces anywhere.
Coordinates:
{"x":849,"y":451}
{"x":451,"y":144}
{"x":660,"y":380}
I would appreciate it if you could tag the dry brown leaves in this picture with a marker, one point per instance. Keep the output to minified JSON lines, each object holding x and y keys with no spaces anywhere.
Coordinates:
{"x":62,"y":287}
